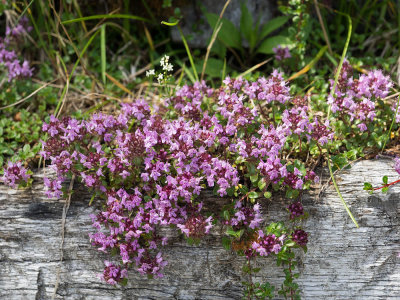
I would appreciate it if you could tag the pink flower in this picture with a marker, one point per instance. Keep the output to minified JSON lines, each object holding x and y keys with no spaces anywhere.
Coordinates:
{"x":14,"y":174}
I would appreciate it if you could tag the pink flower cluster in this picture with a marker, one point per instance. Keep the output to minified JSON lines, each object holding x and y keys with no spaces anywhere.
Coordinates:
{"x":355,"y":98}
{"x":14,"y":174}
{"x":267,"y":244}
{"x":150,"y":167}
{"x":245,"y":216}
{"x":9,"y":57}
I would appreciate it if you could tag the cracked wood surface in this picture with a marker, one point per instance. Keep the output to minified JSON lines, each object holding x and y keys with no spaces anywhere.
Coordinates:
{"x":342,"y":262}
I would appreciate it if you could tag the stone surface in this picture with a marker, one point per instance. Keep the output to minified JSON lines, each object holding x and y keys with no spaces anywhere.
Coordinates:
{"x":342,"y":262}
{"x":194,"y":23}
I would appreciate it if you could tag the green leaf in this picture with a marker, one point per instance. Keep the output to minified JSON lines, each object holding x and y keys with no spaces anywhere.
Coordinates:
{"x":253,"y":195}
{"x":292,"y":194}
{"x":339,"y":161}
{"x":236,"y":234}
{"x":272,"y":42}
{"x":124,"y":281}
{"x":291,"y":244}
{"x":254,"y":178}
{"x":267,"y":195}
{"x":27,"y":148}
{"x":228,"y":34}
{"x":367,"y":186}
{"x":246,"y":25}
{"x":272,"y":25}
{"x":214,"y":67}
{"x":385,"y":179}
{"x":261,"y":184}
{"x":230,"y":191}
{"x":251,"y":169}
{"x":385,"y":189}
{"x":219,"y":49}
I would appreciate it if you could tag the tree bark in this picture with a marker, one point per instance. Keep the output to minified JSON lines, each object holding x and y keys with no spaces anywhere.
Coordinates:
{"x":342,"y":262}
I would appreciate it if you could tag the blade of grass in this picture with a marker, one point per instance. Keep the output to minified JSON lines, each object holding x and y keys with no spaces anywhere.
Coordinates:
{"x":254,"y":67}
{"x":115,"y":16}
{"x":187,"y":72}
{"x":310,"y":64}
{"x":78,"y":9}
{"x":122,"y":30}
{"x":189,"y":54}
{"x":125,"y":22}
{"x":103,"y":52}
{"x":148,"y":37}
{"x":39,"y":35}
{"x":146,"y":6}
{"x":62,"y":98}
{"x":30,"y":95}
{"x":181,"y":76}
{"x":214,"y":35}
{"x":24,"y":11}
{"x":223,"y":70}
{"x":331,"y":58}
{"x":118,"y":84}
{"x":51,"y":4}
{"x":321,"y":21}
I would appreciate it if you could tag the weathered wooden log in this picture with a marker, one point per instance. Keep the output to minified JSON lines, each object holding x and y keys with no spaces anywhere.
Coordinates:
{"x":342,"y":262}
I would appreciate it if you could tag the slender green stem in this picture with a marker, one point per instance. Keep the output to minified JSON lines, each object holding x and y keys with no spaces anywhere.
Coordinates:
{"x":329,"y":110}
{"x":391,"y":125}
{"x":24,"y":11}
{"x":340,"y":195}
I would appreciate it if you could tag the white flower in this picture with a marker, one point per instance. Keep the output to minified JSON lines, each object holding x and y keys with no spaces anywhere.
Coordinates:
{"x":150,"y":72}
{"x":168,"y":68}
{"x":160,"y":77}
{"x":164,"y":61}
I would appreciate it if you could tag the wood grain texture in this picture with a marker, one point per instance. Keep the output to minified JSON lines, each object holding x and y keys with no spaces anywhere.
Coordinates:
{"x":342,"y":262}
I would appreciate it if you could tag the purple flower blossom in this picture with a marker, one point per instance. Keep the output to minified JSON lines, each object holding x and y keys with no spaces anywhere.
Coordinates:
{"x":356,"y":97}
{"x":296,"y":210}
{"x":300,"y":237}
{"x":14,"y":174}
{"x":53,"y":187}
{"x":9,"y":57}
{"x":267,"y":244}
{"x":112,"y":273}
{"x":281,"y":52}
